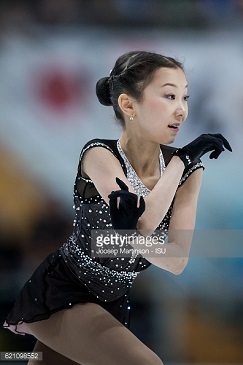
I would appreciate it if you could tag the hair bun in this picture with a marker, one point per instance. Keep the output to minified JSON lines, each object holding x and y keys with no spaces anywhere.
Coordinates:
{"x":103,"y":91}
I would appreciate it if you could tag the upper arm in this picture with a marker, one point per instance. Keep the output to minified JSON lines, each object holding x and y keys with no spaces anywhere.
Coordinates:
{"x":102,"y":167}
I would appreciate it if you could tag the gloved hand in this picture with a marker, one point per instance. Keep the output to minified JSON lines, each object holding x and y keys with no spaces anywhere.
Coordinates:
{"x":201,"y":145}
{"x":126,"y":215}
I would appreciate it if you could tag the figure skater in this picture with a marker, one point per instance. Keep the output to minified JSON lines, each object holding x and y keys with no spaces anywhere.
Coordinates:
{"x":77,"y":305}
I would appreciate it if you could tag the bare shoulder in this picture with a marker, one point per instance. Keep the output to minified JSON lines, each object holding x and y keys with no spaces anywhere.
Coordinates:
{"x":102,"y":167}
{"x":98,"y":156}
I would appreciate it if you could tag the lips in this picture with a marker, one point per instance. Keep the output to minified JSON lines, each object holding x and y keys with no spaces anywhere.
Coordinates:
{"x":174,"y":126}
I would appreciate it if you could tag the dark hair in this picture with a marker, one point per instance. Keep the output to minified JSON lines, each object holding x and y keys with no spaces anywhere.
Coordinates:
{"x":132,"y":72}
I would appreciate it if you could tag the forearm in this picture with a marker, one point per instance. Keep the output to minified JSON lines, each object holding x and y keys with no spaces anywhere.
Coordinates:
{"x":160,"y":198}
{"x":173,"y":256}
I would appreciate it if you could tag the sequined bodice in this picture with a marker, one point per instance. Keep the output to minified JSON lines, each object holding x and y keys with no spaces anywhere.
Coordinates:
{"x":111,"y":277}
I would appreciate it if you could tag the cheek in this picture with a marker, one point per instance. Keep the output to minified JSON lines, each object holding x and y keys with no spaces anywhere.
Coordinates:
{"x":155,"y":107}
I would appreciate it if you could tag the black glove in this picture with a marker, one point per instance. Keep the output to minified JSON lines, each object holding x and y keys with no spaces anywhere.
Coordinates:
{"x":201,"y":145}
{"x":125,"y":217}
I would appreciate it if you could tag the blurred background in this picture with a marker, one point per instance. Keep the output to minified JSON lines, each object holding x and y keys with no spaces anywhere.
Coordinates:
{"x":51,"y":55}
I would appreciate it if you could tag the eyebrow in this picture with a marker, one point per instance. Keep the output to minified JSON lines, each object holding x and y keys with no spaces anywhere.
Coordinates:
{"x":170,"y":84}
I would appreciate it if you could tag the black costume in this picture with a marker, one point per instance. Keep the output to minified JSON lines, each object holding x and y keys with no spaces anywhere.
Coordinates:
{"x":71,"y":275}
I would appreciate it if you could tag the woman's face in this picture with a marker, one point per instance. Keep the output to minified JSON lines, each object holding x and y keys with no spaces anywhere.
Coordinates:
{"x":163,"y":107}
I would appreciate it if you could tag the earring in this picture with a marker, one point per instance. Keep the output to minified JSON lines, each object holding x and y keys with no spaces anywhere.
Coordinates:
{"x":131,"y":118}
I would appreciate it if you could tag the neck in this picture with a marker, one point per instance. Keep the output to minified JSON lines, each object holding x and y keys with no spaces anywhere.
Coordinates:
{"x":142,"y":154}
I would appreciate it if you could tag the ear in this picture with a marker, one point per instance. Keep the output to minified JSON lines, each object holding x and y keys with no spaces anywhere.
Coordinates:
{"x":126,"y":103}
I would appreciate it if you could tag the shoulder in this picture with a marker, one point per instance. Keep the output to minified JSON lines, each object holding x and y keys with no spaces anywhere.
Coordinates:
{"x":102,"y":149}
{"x":108,"y":144}
{"x":100,"y":154}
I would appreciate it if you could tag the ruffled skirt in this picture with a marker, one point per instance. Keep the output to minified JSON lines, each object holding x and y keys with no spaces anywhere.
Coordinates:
{"x":51,"y":288}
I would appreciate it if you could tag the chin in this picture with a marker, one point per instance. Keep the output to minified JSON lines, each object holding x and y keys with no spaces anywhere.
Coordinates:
{"x":168,"y":140}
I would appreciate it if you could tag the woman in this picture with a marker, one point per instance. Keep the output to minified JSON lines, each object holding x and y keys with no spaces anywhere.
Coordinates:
{"x":77,"y":305}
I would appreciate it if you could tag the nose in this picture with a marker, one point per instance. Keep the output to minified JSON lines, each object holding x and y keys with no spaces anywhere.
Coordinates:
{"x":181,"y":113}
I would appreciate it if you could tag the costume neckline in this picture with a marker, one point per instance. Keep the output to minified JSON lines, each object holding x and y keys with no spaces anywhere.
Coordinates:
{"x":132,"y":176}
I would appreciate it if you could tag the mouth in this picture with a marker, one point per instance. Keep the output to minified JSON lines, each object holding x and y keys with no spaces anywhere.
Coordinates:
{"x":174,"y":127}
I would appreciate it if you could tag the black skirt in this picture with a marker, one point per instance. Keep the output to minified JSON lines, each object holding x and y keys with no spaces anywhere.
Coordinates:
{"x":51,"y":288}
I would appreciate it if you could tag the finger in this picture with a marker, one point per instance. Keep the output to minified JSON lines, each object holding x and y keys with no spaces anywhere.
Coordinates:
{"x":224,"y":140}
{"x":112,"y":196}
{"x":113,"y":202}
{"x":121,"y":184}
{"x":115,"y":194}
{"x":215,"y":154}
{"x":141,"y":205}
{"x":124,"y":195}
{"x":215,"y":146}
{"x":226,"y":144}
{"x":217,"y":143}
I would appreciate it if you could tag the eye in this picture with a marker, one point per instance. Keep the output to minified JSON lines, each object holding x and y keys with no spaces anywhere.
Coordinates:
{"x":170,"y":96}
{"x":186,"y":97}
